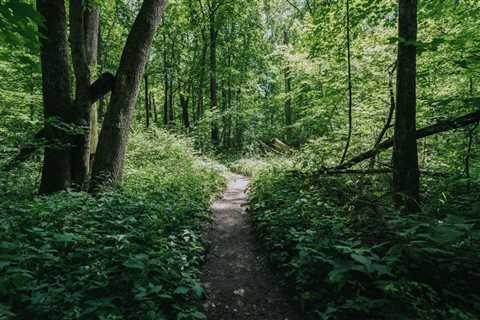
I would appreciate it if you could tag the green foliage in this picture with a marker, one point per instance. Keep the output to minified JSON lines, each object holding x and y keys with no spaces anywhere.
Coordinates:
{"x":132,"y":253}
{"x":348,"y":255}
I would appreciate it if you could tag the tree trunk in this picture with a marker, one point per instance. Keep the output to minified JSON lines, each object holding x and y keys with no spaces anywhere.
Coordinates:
{"x":171,"y":111}
{"x":154,"y":107}
{"x":201,"y":81}
{"x":147,"y":103}
{"x":56,"y":171}
{"x":406,"y":177}
{"x":83,"y":102}
{"x":108,"y":164}
{"x":185,"y":116}
{"x":391,"y":111}
{"x":288,"y":98}
{"x":349,"y":68}
{"x":213,"y":77}
{"x":92,"y":41}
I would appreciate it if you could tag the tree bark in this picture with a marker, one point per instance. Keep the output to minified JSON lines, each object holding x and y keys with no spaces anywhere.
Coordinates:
{"x":109,"y":161}
{"x":92,"y":40}
{"x":83,"y":103}
{"x":406,"y":177}
{"x":56,"y":170}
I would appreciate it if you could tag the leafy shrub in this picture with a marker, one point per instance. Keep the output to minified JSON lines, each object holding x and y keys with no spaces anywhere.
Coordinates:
{"x":347,"y":255}
{"x":131,"y":253}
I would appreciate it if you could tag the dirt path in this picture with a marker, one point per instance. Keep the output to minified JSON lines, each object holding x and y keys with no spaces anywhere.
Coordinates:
{"x":237,"y":282}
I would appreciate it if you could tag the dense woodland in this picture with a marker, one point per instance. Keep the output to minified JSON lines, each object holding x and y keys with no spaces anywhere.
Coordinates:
{"x":356,"y":120}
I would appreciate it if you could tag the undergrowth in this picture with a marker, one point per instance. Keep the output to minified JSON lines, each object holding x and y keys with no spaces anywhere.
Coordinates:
{"x":130,"y":253}
{"x":346,"y":254}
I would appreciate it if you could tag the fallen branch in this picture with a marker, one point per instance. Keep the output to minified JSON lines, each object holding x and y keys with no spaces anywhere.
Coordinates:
{"x":380,"y":171}
{"x":439,"y":127}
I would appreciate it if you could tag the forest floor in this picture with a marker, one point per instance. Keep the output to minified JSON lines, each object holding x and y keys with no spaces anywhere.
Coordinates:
{"x":238,"y":283}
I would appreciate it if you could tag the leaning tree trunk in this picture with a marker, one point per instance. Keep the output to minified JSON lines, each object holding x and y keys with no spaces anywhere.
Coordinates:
{"x":406,"y":175}
{"x":112,"y":145}
{"x":56,"y":171}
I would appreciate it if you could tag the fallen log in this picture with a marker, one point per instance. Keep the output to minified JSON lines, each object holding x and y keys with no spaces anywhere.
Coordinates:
{"x":441,"y":126}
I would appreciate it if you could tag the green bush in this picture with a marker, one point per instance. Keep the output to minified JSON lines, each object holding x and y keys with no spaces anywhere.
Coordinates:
{"x":131,"y":253}
{"x":347,"y":255}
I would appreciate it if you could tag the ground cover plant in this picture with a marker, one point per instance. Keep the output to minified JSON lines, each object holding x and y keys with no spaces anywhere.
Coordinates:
{"x":348,"y":254}
{"x":131,"y":253}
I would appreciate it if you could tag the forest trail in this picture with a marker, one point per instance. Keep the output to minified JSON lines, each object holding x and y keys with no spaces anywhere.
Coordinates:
{"x":237,"y":282}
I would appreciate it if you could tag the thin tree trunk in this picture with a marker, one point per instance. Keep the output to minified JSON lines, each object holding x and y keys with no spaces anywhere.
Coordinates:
{"x":201,"y":81}
{"x":470,"y":137}
{"x":406,"y":176}
{"x":171,"y":97}
{"x":108,"y":165}
{"x":391,"y":111}
{"x":56,"y":170}
{"x":288,"y":89}
{"x":147,"y":101}
{"x":213,"y":77}
{"x":185,"y":116}
{"x":165,"y":82}
{"x":154,"y":107}
{"x":349,"y":66}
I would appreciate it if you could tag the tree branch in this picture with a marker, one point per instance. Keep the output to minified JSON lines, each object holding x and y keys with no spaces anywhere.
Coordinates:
{"x":441,"y":126}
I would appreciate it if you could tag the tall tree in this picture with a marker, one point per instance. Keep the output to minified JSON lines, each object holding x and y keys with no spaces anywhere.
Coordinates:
{"x":288,"y":89}
{"x":57,"y":101}
{"x":112,"y":145}
{"x":83,"y":101}
{"x":213,"y":69}
{"x":406,"y":177}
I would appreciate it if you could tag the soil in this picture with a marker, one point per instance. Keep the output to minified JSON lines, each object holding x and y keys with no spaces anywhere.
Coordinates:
{"x":237,"y":281}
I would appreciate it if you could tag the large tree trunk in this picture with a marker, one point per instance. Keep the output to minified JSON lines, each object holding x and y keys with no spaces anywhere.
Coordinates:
{"x":57,"y":101}
{"x":406,"y":177}
{"x":83,"y":102}
{"x":108,"y":164}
